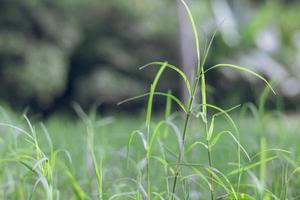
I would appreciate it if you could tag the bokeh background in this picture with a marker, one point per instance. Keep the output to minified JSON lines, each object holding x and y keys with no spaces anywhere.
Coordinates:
{"x":53,"y":53}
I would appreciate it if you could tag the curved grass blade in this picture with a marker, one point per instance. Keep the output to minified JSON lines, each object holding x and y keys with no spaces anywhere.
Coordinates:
{"x":173,"y":67}
{"x":156,"y":132}
{"x":242,"y":69}
{"x":195,"y":32}
{"x":175,"y":99}
{"x":251,"y":165}
{"x":164,"y":163}
{"x":151,"y":95}
{"x":198,"y":173}
{"x":143,"y":139}
{"x":195,"y":144}
{"x":217,"y":137}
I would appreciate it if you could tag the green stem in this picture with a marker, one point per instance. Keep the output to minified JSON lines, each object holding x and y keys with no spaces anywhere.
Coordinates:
{"x":180,"y":155}
{"x":211,"y":188}
{"x":184,"y":132}
{"x":148,"y":179}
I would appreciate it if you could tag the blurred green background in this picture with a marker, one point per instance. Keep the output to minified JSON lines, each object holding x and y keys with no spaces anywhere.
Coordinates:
{"x":53,"y":53}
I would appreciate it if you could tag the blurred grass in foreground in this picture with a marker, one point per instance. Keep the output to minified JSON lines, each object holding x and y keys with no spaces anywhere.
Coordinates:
{"x":72,"y":175}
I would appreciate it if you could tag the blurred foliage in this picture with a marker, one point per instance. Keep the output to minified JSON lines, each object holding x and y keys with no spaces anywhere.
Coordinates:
{"x":52,"y":51}
{"x":55,"y":52}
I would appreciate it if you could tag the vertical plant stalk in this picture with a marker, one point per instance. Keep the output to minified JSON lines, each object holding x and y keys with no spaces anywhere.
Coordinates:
{"x":97,"y":167}
{"x":210,"y":165}
{"x":148,"y":121}
{"x":89,"y":121}
{"x":192,"y":97}
{"x":200,"y":75}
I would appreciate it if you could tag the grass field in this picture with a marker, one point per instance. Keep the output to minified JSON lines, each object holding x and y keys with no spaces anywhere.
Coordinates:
{"x":62,"y":167}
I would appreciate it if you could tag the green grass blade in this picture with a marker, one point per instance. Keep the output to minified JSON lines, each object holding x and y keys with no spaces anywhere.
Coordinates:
{"x":151,"y":95}
{"x":168,"y":111}
{"x":253,"y":165}
{"x":164,"y":163}
{"x":196,"y":144}
{"x":211,"y":129}
{"x":195,"y":32}
{"x":76,"y":188}
{"x":175,"y":99}
{"x":173,"y":67}
{"x":156,"y":132}
{"x":242,"y":69}
{"x":142,"y":137}
{"x":218,"y":136}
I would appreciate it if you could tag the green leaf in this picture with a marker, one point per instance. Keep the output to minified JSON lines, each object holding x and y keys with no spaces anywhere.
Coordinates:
{"x":242,"y":69}
{"x":175,"y":99}
{"x":211,"y":129}
{"x":173,"y":67}
{"x":151,"y":95}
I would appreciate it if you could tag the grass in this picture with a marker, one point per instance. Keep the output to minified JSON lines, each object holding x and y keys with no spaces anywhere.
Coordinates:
{"x":200,"y":152}
{"x":73,"y":175}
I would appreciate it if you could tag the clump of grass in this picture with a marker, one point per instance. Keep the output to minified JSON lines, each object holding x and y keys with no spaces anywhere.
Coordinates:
{"x":198,"y":109}
{"x":36,"y":160}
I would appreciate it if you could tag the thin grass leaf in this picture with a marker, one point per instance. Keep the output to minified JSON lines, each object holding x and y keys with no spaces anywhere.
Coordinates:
{"x":156,"y":132}
{"x":39,"y":163}
{"x":195,"y":32}
{"x":211,"y":129}
{"x":218,"y":136}
{"x":215,"y":178}
{"x":142,"y":137}
{"x":123,"y":195}
{"x":168,"y":110}
{"x":223,"y":112}
{"x":18,"y":129}
{"x":242,"y":69}
{"x":164,"y":163}
{"x":158,"y":196}
{"x":252,"y":165}
{"x":175,"y":99}
{"x":207,"y":48}
{"x":76,"y":188}
{"x":197,"y":174}
{"x":262,"y":100}
{"x":195,"y":144}
{"x":263,"y":156}
{"x":98,"y":171}
{"x":173,"y":67}
{"x":151,"y":95}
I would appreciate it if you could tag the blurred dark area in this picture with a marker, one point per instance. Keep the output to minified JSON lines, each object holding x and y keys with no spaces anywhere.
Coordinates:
{"x":53,"y":53}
